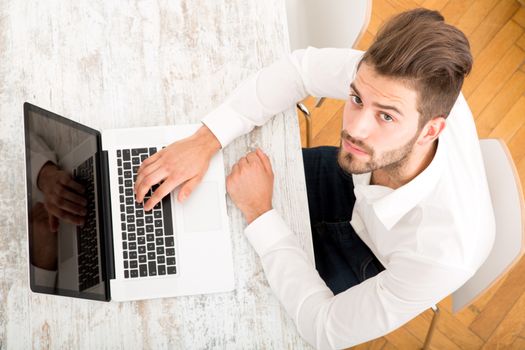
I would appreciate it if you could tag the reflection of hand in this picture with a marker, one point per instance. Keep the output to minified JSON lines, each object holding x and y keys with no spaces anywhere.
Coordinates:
{"x":62,"y":196}
{"x":44,"y":240}
{"x":183,"y":162}
{"x":250,"y":185}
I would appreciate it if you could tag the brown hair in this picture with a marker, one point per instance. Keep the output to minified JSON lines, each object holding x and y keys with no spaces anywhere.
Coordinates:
{"x":431,"y":56}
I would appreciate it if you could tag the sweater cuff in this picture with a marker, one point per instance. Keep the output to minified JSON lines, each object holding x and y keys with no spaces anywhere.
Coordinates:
{"x":265,"y":231}
{"x":226,"y":124}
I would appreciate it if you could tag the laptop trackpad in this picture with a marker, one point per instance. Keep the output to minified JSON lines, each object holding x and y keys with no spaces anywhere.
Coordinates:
{"x":202,"y":210}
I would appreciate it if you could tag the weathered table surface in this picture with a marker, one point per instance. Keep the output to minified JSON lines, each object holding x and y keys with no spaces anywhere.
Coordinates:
{"x":111,"y":64}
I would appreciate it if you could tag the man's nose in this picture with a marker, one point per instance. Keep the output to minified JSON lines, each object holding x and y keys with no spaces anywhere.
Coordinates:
{"x":359,"y":124}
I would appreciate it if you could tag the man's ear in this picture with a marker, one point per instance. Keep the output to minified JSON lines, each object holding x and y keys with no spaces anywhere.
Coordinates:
{"x":432,"y":130}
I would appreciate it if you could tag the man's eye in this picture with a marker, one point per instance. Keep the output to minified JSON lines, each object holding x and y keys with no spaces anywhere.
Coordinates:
{"x":385,"y":117}
{"x":356,"y":100}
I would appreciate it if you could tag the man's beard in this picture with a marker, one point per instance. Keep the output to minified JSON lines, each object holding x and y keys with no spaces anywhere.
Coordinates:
{"x":391,"y":161}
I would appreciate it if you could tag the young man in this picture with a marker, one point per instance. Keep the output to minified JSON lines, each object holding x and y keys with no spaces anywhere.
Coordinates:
{"x":400,"y":212}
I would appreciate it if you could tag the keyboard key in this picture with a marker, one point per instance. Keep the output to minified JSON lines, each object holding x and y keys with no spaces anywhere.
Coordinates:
{"x":172,"y":270}
{"x":152,"y":151}
{"x":158,"y":223}
{"x":131,"y":228}
{"x":159,"y":232}
{"x":143,"y":157}
{"x":135,"y":160}
{"x":160,"y":250}
{"x":131,"y":219}
{"x":125,"y":254}
{"x":152,"y":268}
{"x":149,"y":219}
{"x":169,"y":241}
{"x":161,"y":270}
{"x":161,"y":259}
{"x":141,"y":240}
{"x":133,"y":264}
{"x":142,"y":249}
{"x":157,"y":214}
{"x":127,"y":174}
{"x":131,"y":237}
{"x":170,"y":251}
{"x":132,"y":246}
{"x":129,"y":192}
{"x":128,"y":183}
{"x":126,"y":274}
{"x":133,"y":255}
{"x":126,"y":264}
{"x":150,"y":237}
{"x":130,"y":209}
{"x":149,"y":228}
{"x":151,"y":246}
{"x":127,"y":165}
{"x":119,"y":153}
{"x":140,"y":213}
{"x":170,"y":261}
{"x":135,"y":273}
{"x":143,"y":270}
{"x":140,"y":222}
{"x":142,"y":259}
{"x":129,"y":200}
{"x":121,"y":198}
{"x":159,"y":241}
{"x":151,"y":255}
{"x":124,"y":245}
{"x":126,"y":154}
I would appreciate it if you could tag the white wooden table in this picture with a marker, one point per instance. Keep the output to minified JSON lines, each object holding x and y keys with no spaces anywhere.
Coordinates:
{"x":111,"y":64}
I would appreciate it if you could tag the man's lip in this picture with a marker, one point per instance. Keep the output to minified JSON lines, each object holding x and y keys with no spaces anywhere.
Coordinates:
{"x":353,"y":148}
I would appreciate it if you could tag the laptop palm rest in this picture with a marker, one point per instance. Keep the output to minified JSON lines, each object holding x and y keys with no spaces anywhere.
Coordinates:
{"x":201,"y":210}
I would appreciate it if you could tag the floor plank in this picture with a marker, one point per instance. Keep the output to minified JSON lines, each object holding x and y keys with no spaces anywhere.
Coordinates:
{"x":494,"y":81}
{"x":513,"y":121}
{"x":500,"y":104}
{"x":509,"y":329}
{"x":475,"y":14}
{"x":500,"y":304}
{"x":496,"y":18}
{"x":490,"y":57}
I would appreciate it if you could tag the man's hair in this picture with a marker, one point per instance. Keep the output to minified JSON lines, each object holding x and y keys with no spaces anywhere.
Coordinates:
{"x":432,"y":57}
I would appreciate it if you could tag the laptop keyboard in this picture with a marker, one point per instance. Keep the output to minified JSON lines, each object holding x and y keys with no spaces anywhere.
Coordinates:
{"x":87,"y":240}
{"x":148,"y":244}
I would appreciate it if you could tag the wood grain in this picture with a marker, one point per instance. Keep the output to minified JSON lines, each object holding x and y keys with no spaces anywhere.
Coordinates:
{"x":130,"y":64}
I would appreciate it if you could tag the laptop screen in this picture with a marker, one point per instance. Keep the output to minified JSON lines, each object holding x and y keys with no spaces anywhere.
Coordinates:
{"x":65,"y":244}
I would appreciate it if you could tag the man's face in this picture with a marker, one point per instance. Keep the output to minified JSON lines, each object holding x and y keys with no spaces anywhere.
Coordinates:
{"x":380,"y":123}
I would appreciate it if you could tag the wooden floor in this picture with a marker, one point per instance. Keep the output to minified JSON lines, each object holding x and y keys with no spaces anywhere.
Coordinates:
{"x":495,"y":91}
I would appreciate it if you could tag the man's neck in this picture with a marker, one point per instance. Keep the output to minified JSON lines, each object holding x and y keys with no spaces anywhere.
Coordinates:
{"x":417,"y":161}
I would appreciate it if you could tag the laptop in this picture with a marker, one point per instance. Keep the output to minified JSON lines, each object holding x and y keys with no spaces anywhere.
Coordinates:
{"x":120,"y":252}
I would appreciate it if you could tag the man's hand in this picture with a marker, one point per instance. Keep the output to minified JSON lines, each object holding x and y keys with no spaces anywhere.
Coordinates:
{"x":183,"y":162}
{"x":62,"y":196}
{"x":250,"y":185}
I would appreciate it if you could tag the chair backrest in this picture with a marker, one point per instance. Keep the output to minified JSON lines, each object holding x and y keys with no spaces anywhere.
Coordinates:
{"x":327,"y":23}
{"x":507,"y":201}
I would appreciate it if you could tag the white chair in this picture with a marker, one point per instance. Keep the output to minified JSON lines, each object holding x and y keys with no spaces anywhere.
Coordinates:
{"x":509,"y":211}
{"x":325,"y":23}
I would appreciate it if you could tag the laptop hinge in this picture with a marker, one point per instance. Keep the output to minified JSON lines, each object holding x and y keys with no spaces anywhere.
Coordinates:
{"x":105,"y":214}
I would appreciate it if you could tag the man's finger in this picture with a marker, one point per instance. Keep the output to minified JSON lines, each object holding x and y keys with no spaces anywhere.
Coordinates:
{"x":146,"y":172}
{"x":150,"y":180}
{"x":152,"y":159}
{"x":73,"y":197}
{"x":188,"y":188}
{"x":265,"y":160}
{"x":72,"y":184}
{"x":64,"y":215}
{"x":70,"y":207}
{"x":157,"y":196}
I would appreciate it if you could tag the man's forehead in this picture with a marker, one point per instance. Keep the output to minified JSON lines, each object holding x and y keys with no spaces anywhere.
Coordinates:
{"x":384,"y":90}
